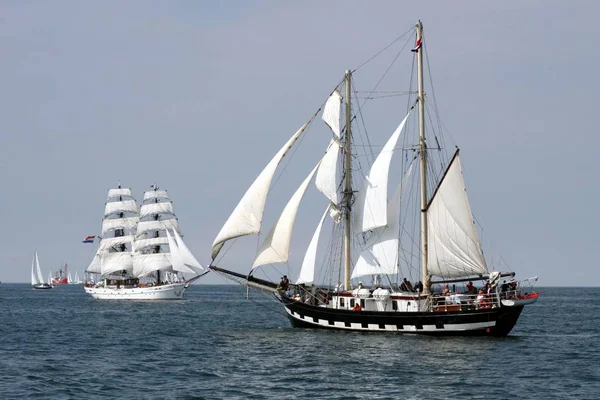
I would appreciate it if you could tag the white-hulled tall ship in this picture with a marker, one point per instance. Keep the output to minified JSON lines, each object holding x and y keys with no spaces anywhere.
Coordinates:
{"x":141,"y":255}
{"x":424,"y":231}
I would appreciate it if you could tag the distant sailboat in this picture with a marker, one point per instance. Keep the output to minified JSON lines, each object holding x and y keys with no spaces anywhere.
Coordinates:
{"x":77,"y":279}
{"x":36,"y":274}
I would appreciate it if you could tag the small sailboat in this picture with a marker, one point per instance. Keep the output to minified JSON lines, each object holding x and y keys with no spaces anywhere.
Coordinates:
{"x":77,"y":280}
{"x":36,"y":274}
{"x":141,"y":255}
{"x":425,"y":230}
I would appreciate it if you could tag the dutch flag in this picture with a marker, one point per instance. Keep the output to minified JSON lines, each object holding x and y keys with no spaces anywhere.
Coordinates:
{"x":89,"y":239}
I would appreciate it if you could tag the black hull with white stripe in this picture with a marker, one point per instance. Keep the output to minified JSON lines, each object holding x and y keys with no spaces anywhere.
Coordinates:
{"x":497,"y":321}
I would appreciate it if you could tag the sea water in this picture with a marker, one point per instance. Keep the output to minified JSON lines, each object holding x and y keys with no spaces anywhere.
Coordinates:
{"x":217,"y":344}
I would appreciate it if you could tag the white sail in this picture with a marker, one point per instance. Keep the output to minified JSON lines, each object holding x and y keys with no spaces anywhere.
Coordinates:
{"x":108,"y":243}
{"x":119,"y":223}
{"x":94,"y":267}
{"x":113,"y":194}
{"x":113,"y":262}
{"x":36,"y":272}
{"x":371,"y":201}
{"x":142,"y":244}
{"x":327,"y":180}
{"x":146,"y":264}
{"x":165,"y":207}
{"x":186,"y":255}
{"x":69,"y":279}
{"x":246,"y":218}
{"x":276,"y":246}
{"x":380,"y":256}
{"x":177,"y":258}
{"x":120,"y":206}
{"x":156,"y":194}
{"x":454,"y":249}
{"x":77,"y":279}
{"x":331,"y":112}
{"x":307,"y":271}
{"x":147,"y":226}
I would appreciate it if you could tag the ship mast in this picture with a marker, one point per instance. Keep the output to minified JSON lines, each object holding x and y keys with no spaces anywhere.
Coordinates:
{"x":348,"y":182}
{"x":422,"y":158}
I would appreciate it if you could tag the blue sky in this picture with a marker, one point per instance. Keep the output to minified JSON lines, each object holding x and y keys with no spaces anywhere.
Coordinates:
{"x":197,"y":96}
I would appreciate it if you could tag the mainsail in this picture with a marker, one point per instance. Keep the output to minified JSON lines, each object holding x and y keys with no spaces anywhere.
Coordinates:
{"x":36,"y":272}
{"x":454,"y":248}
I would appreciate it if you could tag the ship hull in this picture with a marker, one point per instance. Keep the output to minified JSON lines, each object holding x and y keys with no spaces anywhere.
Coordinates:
{"x":61,"y":281}
{"x":497,"y":321}
{"x":42,"y":286}
{"x":173,"y":291}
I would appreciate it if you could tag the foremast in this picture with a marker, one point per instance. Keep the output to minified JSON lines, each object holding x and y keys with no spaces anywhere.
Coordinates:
{"x":348,"y":183}
{"x":422,"y":157}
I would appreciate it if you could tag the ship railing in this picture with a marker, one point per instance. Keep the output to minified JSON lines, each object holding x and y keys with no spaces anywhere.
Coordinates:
{"x":463,"y":301}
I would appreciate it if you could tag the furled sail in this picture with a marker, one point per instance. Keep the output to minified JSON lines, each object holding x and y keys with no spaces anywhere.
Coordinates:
{"x":371,"y":201}
{"x":276,"y":246}
{"x":165,"y":207}
{"x":120,"y":206}
{"x":454,"y":249}
{"x":380,"y":256}
{"x":307,"y":271}
{"x":326,"y":179}
{"x":246,"y":218}
{"x":119,"y":223}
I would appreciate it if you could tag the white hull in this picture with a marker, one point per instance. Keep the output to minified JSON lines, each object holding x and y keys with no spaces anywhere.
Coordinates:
{"x":172,"y":291}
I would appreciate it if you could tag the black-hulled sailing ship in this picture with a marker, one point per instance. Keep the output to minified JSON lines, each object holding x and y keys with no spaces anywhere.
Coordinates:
{"x":424,"y":231}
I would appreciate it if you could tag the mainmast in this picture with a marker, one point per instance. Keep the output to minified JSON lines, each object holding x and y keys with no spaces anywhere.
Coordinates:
{"x":422,"y":158}
{"x":348,"y":185}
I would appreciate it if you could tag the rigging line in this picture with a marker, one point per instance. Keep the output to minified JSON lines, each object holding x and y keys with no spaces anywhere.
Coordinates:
{"x":436,"y":109}
{"x":412,"y":29}
{"x":387,"y":70}
{"x":383,"y":97}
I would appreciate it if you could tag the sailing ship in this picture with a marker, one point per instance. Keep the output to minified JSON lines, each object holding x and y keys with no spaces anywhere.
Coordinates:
{"x":141,"y":254}
{"x":425,"y":230}
{"x":60,"y":277}
{"x":37,"y":281}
